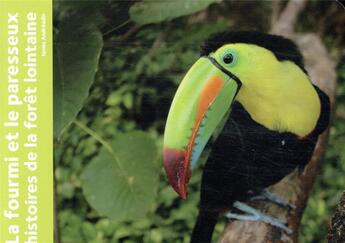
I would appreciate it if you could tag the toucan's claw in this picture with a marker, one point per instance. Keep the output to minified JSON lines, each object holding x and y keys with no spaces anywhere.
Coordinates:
{"x":267,"y":195}
{"x":255,"y":215}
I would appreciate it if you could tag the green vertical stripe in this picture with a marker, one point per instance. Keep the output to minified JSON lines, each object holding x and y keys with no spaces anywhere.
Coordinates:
{"x":26,"y":167}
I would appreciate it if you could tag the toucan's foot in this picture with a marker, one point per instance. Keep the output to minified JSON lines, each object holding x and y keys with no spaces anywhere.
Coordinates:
{"x":253,"y":214}
{"x":267,"y":195}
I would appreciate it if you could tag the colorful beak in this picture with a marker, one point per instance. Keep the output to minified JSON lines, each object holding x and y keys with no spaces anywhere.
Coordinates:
{"x":200,"y":103}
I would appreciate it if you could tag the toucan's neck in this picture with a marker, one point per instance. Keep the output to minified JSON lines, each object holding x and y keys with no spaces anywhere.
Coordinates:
{"x":294,"y":107}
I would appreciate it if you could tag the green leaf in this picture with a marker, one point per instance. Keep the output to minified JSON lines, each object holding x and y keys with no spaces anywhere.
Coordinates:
{"x":149,"y":11}
{"x":122,"y":184}
{"x":77,"y":49}
{"x":128,"y":101}
{"x":114,"y":99}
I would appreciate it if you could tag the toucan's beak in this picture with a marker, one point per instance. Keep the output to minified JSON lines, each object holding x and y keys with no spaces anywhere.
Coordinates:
{"x":200,"y":103}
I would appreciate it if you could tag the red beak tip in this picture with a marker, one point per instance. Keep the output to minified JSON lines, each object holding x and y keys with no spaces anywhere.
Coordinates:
{"x":181,"y":191}
{"x":183,"y":194}
{"x":177,"y":172}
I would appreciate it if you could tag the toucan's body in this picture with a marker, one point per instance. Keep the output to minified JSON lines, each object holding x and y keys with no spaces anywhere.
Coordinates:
{"x":248,"y":157}
{"x":272,"y":121}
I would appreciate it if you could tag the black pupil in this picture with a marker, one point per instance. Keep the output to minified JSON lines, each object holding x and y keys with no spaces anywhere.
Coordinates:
{"x":228,"y":58}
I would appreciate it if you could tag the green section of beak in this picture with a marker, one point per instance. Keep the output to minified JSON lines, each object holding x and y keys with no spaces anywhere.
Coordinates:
{"x":183,"y":109}
{"x":202,"y":100}
{"x":197,"y":96}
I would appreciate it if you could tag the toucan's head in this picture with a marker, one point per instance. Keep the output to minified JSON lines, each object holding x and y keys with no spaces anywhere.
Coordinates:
{"x":245,"y":66}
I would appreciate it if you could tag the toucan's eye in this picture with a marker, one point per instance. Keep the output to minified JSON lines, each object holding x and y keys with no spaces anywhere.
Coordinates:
{"x":228,"y":58}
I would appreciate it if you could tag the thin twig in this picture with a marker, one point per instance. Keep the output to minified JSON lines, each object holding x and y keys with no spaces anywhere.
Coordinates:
{"x":95,"y":135}
{"x":105,"y":144}
{"x":117,"y":27}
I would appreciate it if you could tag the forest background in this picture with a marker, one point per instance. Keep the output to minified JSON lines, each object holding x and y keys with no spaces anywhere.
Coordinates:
{"x":117,"y":65}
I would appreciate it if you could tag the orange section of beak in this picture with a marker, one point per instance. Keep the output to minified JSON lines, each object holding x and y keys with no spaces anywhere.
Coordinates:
{"x":207,"y":96}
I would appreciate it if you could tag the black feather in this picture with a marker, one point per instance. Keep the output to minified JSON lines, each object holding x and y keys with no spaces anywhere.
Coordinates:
{"x":325,"y":114}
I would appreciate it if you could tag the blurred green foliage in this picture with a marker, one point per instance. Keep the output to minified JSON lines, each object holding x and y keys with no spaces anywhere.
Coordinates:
{"x":148,"y":11}
{"x":138,"y":72}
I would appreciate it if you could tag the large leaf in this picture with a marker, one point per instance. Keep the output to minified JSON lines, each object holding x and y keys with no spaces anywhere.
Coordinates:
{"x":77,"y":47}
{"x":150,"y":11}
{"x":122,"y":184}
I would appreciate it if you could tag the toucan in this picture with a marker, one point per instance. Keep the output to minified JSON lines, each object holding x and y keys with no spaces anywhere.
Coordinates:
{"x":250,"y":100}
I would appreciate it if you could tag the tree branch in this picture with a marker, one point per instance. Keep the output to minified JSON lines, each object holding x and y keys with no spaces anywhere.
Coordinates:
{"x":287,"y":19}
{"x":295,"y":187}
{"x":276,"y":8}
